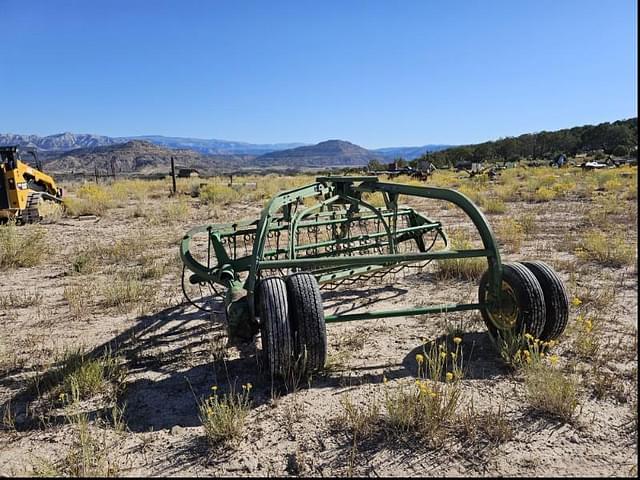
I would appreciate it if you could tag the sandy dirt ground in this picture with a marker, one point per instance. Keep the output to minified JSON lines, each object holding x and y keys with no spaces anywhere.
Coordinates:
{"x":172,"y":354}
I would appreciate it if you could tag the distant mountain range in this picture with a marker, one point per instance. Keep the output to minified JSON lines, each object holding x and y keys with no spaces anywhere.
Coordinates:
{"x":66,"y":152}
{"x":63,"y":142}
{"x":71,"y":141}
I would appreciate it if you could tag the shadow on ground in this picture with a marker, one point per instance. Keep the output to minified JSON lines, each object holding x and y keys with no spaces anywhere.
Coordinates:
{"x":174,"y":358}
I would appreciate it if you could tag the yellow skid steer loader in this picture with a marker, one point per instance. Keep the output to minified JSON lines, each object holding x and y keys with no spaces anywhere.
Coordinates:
{"x":23,"y":186}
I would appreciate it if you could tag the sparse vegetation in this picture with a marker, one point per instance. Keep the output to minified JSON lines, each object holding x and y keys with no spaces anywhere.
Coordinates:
{"x":104,"y":282}
{"x":223,"y":415}
{"x":550,"y":391}
{"x":23,"y":246}
{"x":461,"y":268}
{"x":606,"y":249}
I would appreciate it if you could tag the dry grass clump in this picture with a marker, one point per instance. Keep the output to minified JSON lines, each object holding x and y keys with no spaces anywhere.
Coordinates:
{"x":507,"y":193}
{"x":547,"y":389}
{"x":586,"y":341}
{"x":92,"y":199}
{"x":510,"y":232}
{"x":23,"y":246}
{"x":475,"y":194}
{"x":461,"y":268}
{"x":361,"y":422}
{"x":85,"y":377}
{"x":494,"y":205}
{"x":170,"y":211}
{"x":606,"y":249}
{"x":51,"y":211}
{"x":551,"y":392}
{"x":488,"y":426}
{"x":76,"y":375}
{"x":78,"y":297}
{"x":91,"y":455}
{"x":427,"y":410}
{"x":223,"y":415}
{"x":92,"y":451}
{"x":218,"y":194}
{"x":529,"y":223}
{"x":520,"y":351}
{"x":86,"y":259}
{"x":544,"y":194}
{"x":123,"y":293}
{"x":22,"y":299}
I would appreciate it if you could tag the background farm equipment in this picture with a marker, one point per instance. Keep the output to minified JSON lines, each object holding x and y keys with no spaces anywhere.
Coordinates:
{"x":268,"y":272}
{"x":23,"y":186}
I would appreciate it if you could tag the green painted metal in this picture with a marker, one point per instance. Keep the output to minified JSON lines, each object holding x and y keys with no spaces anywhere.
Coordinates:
{"x":327,"y":239}
{"x":403,"y":312}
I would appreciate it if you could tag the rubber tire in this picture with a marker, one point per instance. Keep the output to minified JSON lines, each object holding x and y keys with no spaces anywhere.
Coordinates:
{"x":556,"y":299}
{"x":529,"y":296}
{"x":307,"y":320}
{"x":273,"y":310}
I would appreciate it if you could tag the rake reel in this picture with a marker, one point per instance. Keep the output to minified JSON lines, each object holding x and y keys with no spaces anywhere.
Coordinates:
{"x":268,"y":272}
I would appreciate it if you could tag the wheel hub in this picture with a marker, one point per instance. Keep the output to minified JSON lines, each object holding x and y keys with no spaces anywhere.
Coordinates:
{"x":503,"y":311}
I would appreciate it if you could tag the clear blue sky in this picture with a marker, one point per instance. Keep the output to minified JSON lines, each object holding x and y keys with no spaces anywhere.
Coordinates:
{"x":377,"y":73}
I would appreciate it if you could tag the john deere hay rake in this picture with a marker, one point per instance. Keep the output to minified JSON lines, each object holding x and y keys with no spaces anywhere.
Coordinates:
{"x":326,"y":233}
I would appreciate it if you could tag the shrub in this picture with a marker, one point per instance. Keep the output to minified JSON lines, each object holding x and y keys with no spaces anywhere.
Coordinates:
{"x":23,"y":246}
{"x":223,"y":416}
{"x":544,"y":194}
{"x":123,"y":292}
{"x":494,"y":205}
{"x":461,"y":268}
{"x":426,"y":411}
{"x":218,"y":194}
{"x":511,"y":234}
{"x":359,"y":421}
{"x":606,"y":249}
{"x":549,"y":391}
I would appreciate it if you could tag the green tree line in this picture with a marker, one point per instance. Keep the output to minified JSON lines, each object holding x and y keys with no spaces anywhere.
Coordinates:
{"x":617,"y":138}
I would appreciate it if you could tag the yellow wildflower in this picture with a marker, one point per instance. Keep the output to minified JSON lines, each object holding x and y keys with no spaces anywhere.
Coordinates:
{"x":384,"y":379}
{"x":528,"y":336}
{"x":588,"y":325}
{"x":443,"y":355}
{"x":576,"y":302}
{"x":454,"y":355}
{"x":214,"y":388}
{"x":554,"y":359}
{"x":457,"y":340}
{"x":249,"y":386}
{"x":419,"y":359}
{"x":449,"y":376}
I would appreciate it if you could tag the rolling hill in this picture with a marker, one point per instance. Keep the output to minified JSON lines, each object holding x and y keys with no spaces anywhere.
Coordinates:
{"x":137,"y":156}
{"x":331,"y":153}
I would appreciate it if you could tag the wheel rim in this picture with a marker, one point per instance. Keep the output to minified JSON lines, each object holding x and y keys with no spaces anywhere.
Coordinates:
{"x":504,"y":312}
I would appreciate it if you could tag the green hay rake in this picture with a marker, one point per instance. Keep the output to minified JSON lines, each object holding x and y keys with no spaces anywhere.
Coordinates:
{"x":326,"y":234}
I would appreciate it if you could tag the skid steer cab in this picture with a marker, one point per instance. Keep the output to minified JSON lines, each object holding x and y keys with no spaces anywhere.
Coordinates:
{"x":24,"y":186}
